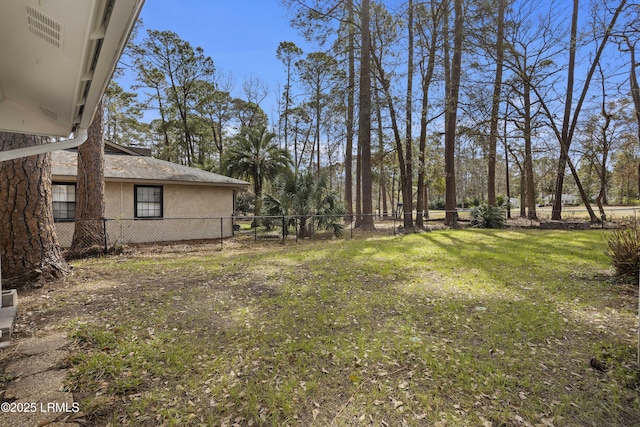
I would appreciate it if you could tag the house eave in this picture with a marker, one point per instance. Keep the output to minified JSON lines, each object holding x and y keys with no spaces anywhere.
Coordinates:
{"x":57,"y":59}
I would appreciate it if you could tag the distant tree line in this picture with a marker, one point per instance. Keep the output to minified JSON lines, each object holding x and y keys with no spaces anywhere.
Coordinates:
{"x":467,"y":102}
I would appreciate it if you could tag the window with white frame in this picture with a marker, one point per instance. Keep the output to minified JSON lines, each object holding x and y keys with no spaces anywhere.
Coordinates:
{"x":64,"y":201}
{"x":148,"y":201}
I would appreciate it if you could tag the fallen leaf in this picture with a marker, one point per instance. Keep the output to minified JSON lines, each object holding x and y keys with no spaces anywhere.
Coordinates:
{"x":315,"y":413}
{"x":547,"y":421}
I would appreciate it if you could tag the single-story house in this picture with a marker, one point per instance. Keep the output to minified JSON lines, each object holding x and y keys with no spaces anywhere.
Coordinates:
{"x":567,"y":199}
{"x":147,"y":199}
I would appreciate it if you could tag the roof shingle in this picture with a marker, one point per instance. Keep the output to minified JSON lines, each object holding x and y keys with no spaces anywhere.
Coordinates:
{"x":141,"y":168}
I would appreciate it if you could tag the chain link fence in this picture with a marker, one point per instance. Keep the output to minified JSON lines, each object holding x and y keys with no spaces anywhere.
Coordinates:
{"x":109,"y":233}
{"x":126,"y":231}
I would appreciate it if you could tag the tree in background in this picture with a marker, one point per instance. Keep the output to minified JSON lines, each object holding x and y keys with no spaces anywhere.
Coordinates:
{"x":495,"y":103}
{"x":318,"y":72}
{"x":452,"y":83}
{"x":216,"y":108}
{"x":571,"y":115}
{"x":384,"y":39}
{"x":364,"y":120}
{"x":28,"y":242}
{"x":254,"y":155}
{"x":173,"y":69}
{"x":429,"y":19}
{"x":122,"y":116}
{"x":625,"y":174}
{"x":350,"y":112}
{"x":288,"y":53}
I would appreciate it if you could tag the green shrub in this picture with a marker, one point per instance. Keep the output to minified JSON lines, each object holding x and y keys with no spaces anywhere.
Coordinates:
{"x":623,"y":247}
{"x":486,"y":216}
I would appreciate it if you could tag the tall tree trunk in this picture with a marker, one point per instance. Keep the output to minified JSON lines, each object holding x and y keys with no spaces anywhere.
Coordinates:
{"x":523,"y":194}
{"x":28,"y":242}
{"x":380,"y":132}
{"x":427,"y":77}
{"x":506,"y":166}
{"x":317,"y":137}
{"x":451,"y":102}
{"x":528,"y":154}
{"x":633,"y":81}
{"x":163,"y":122}
{"x":495,"y":106}
{"x":564,"y":141}
{"x":405,"y":180}
{"x":523,"y":184}
{"x":348,"y":158}
{"x":583,"y":194}
{"x":364,"y":119}
{"x":407,"y":190}
{"x":601,"y":200}
{"x":635,"y":91}
{"x":358,"y":186}
{"x":89,"y":226}
{"x":569,"y":124}
{"x":385,"y":205}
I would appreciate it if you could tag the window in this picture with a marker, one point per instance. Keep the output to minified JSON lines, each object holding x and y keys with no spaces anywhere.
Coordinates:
{"x":64,"y":201}
{"x":148,"y":201}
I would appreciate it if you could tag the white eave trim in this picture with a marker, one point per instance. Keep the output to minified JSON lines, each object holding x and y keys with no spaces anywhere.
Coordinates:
{"x":16,"y":153}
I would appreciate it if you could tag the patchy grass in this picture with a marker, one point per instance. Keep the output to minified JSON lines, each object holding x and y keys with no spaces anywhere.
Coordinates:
{"x":456,"y":328}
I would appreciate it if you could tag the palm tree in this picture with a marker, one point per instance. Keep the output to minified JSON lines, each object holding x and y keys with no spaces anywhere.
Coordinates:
{"x":307,"y":197}
{"x":254,"y":156}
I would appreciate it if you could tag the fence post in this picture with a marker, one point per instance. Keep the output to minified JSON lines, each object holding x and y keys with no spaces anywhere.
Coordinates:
{"x":104,"y":229}
{"x":394,"y":224}
{"x":284,"y":236}
{"x":221,"y":232}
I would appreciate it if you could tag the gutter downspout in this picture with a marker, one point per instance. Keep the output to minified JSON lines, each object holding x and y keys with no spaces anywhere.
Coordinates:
{"x":16,"y":153}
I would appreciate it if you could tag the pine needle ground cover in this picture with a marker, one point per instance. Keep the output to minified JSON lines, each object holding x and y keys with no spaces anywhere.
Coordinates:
{"x":448,"y":328}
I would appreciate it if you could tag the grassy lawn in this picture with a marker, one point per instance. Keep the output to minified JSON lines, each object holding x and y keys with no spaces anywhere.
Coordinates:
{"x":448,"y":328}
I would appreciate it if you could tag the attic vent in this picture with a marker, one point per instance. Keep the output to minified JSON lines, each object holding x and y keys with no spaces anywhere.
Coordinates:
{"x":43,"y":26}
{"x":51,"y":114}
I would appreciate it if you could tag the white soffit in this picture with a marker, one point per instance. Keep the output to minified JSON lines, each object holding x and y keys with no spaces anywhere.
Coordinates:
{"x":56,"y":59}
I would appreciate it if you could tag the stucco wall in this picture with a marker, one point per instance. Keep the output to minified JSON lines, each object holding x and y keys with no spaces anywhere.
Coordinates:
{"x":179,"y":201}
{"x":189,"y":212}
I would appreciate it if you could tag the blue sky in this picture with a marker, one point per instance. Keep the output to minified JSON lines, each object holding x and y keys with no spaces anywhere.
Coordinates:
{"x":240,"y":36}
